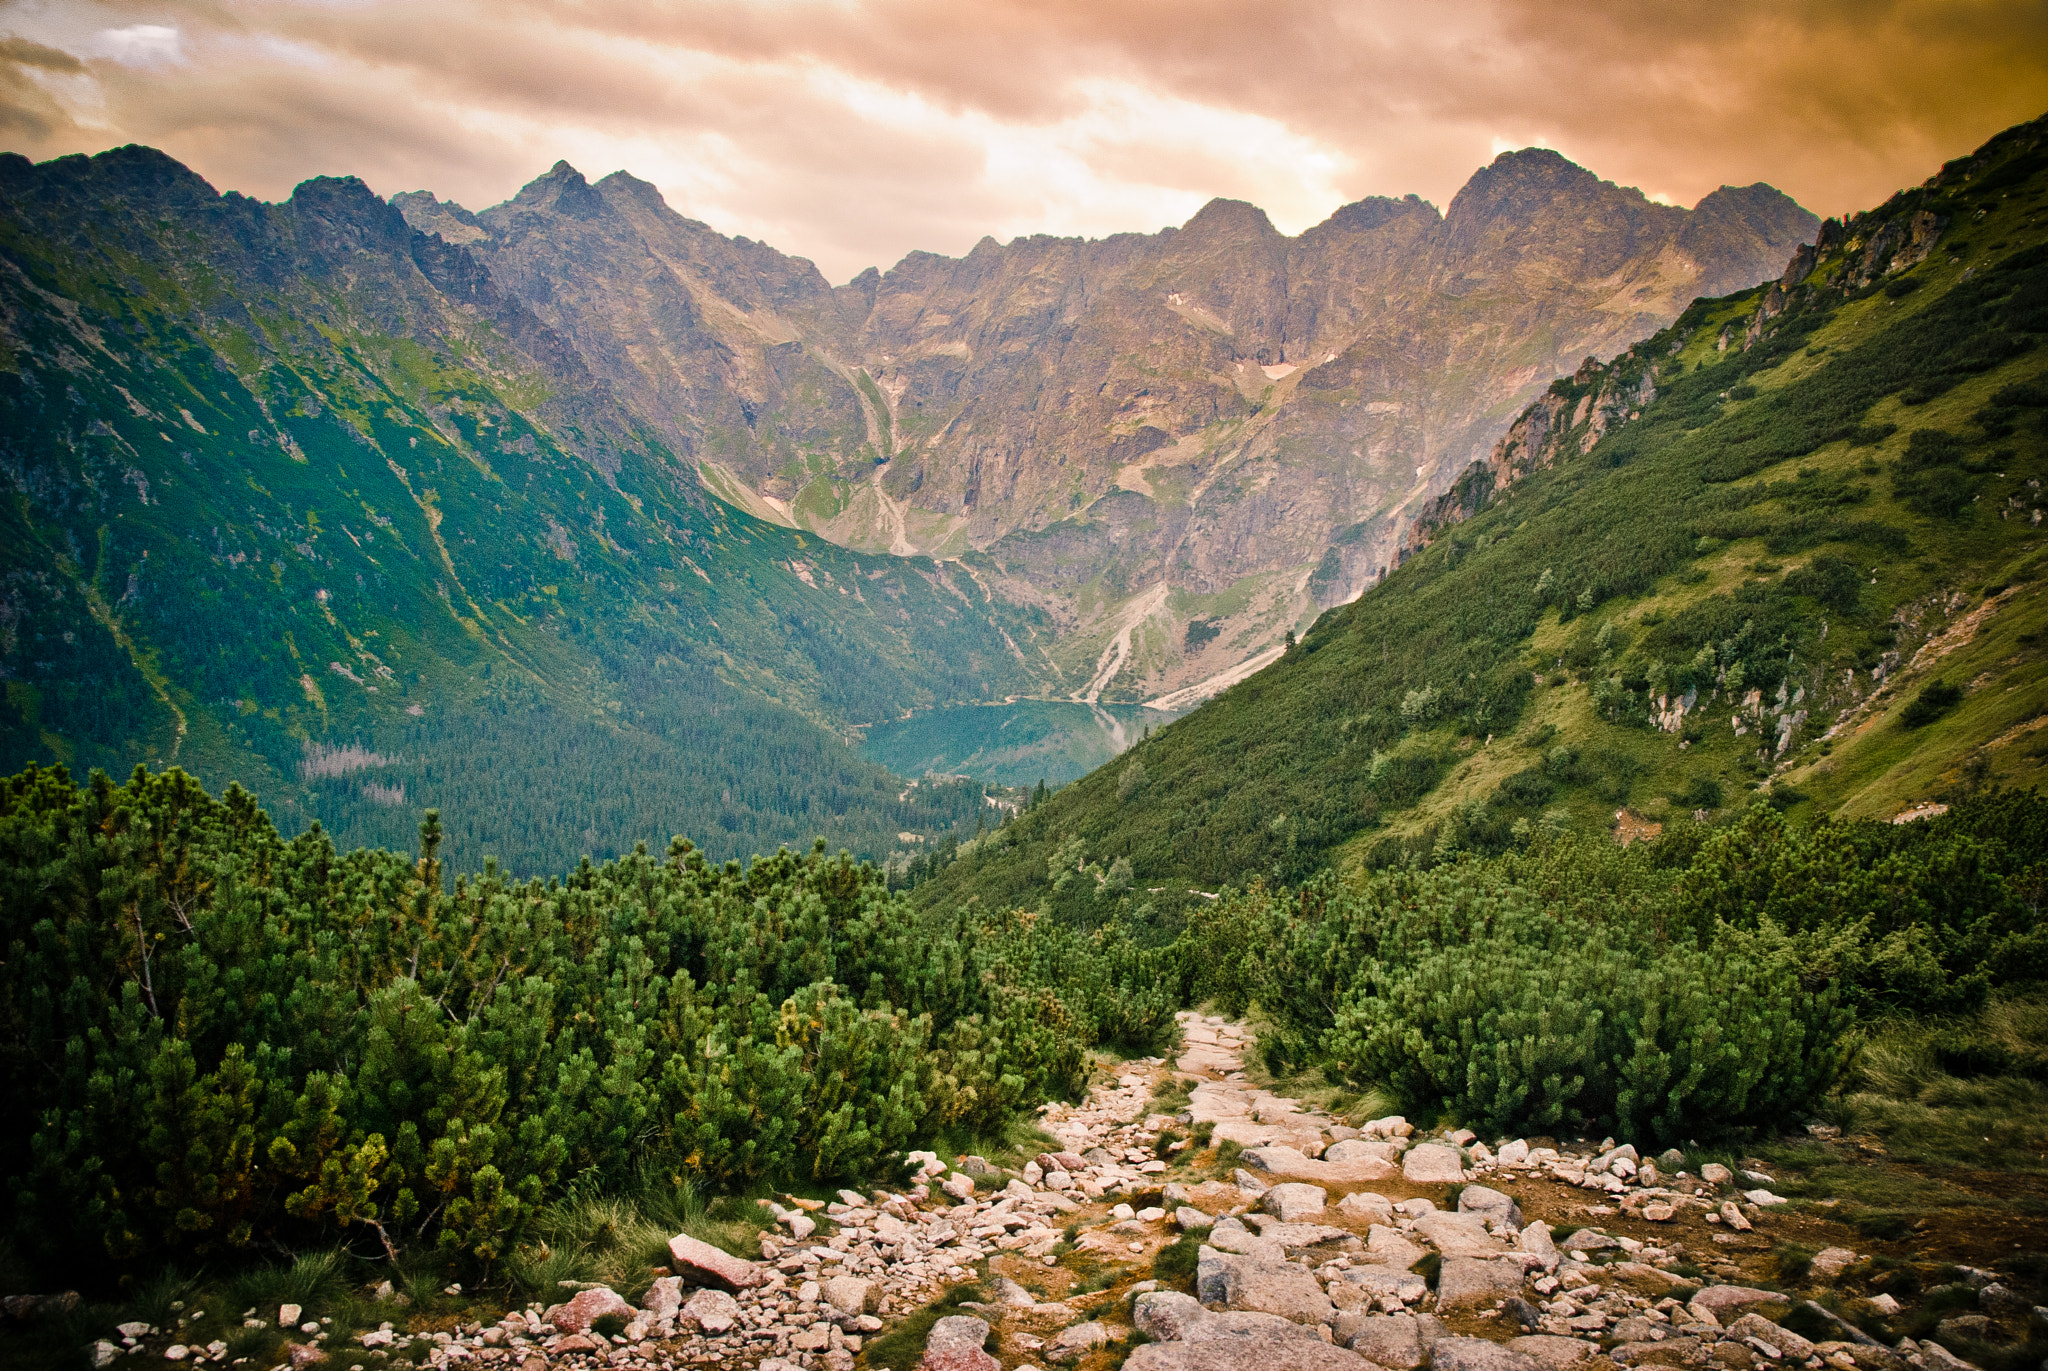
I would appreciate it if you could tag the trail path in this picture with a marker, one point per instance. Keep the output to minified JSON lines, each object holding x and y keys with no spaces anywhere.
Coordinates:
{"x":1321,"y":1245}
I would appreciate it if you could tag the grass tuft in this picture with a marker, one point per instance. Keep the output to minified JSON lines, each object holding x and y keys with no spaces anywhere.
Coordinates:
{"x":1174,"y":1265}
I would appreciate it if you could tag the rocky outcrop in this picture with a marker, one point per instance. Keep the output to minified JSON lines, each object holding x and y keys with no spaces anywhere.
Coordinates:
{"x":1577,"y":411}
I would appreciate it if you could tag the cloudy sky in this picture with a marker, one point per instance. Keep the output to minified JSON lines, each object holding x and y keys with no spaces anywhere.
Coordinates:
{"x":852,"y":131}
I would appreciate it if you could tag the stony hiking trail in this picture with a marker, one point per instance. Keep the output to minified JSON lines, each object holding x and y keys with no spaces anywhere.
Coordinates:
{"x":1329,"y":1247}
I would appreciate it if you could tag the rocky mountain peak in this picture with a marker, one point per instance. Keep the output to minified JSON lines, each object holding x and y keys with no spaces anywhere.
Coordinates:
{"x":142,"y":173}
{"x":626,"y":186}
{"x":429,"y":214}
{"x":339,"y":214}
{"x":1232,"y":221}
{"x":562,"y":190}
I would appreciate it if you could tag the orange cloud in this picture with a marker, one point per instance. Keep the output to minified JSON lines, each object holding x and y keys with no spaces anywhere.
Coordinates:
{"x":852,"y":131}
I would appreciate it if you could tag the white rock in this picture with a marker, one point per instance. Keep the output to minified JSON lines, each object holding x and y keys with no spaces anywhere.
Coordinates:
{"x":1432,"y":1164}
{"x":288,"y":1315}
{"x":1076,"y":1342}
{"x":1293,"y":1201}
{"x":713,"y":1311}
{"x":1364,"y":1204}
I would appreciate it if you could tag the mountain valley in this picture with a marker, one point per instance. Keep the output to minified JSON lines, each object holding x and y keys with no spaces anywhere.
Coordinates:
{"x":490,"y":511}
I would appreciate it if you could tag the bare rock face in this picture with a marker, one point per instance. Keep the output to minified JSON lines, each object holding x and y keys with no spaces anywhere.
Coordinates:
{"x":1728,"y":1302}
{"x":1352,"y":1151}
{"x":1294,"y":1201}
{"x":1784,"y":1339}
{"x":852,"y":1295}
{"x":711,"y":1311}
{"x":1490,"y":1204}
{"x":1250,"y":1353}
{"x":1075,"y":1342}
{"x":664,"y":1297}
{"x":1459,"y":1235}
{"x":1833,"y":1261}
{"x":1478,"y":1354}
{"x":1263,"y":1287}
{"x":1390,"y":1248}
{"x":1400,"y":1342}
{"x":1364,"y":1204}
{"x":1211,"y":406}
{"x":1166,"y":1315}
{"x":1536,"y":1241}
{"x":1552,"y":1351}
{"x":1470,"y":1281}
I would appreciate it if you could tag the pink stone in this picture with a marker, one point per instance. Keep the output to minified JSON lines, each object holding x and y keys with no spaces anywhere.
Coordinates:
{"x":954,"y":1344}
{"x":700,"y":1263}
{"x":587,"y":1307}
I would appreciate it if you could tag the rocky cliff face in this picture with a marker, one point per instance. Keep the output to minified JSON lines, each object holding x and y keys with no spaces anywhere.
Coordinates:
{"x":1182,"y":444}
{"x":1577,"y":411}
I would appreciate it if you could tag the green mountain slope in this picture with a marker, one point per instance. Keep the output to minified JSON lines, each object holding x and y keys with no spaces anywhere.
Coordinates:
{"x":1729,"y":559}
{"x":296,"y":496}
{"x":1017,"y":744}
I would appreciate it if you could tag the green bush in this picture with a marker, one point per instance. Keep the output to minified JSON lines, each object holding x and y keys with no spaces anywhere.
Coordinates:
{"x":1704,"y":982}
{"x":1538,"y":1024}
{"x":221,"y":1040}
{"x":1934,"y":700}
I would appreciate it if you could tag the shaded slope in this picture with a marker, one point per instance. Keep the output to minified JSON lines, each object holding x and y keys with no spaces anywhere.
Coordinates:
{"x":290,"y":479}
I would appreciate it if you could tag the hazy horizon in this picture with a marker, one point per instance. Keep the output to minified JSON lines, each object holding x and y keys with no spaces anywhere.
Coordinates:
{"x":852,"y":132}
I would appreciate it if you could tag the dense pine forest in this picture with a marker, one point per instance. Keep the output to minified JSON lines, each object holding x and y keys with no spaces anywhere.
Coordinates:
{"x":223,"y":1041}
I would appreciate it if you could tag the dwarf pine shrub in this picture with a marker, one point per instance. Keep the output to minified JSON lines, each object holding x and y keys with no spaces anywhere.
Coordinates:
{"x":1542,"y":1025}
{"x":218,"y":1039}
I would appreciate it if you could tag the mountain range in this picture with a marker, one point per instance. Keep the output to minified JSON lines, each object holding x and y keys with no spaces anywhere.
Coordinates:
{"x":1182,"y":445}
{"x":585,"y":523}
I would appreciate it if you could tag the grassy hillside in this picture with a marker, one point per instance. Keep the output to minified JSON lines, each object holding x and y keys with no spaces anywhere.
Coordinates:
{"x":296,"y":498}
{"x":1732,"y":561}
